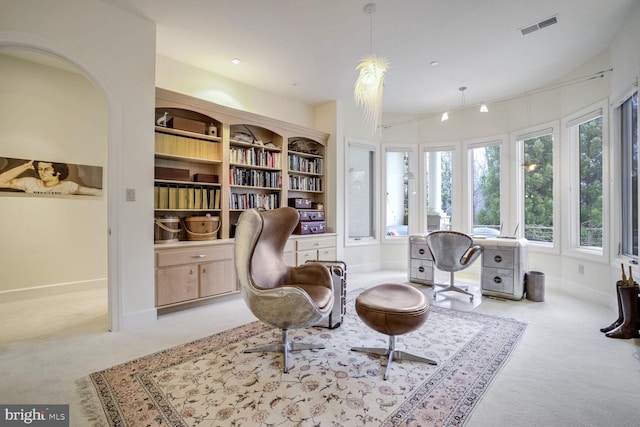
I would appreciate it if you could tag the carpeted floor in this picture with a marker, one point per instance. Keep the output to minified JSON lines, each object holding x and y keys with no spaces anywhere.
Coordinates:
{"x":210,"y":381}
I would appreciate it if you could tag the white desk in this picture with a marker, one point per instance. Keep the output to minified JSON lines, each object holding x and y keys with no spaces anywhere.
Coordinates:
{"x":504,"y":265}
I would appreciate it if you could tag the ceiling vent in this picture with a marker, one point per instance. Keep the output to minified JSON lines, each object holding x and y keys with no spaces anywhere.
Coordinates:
{"x":538,"y":25}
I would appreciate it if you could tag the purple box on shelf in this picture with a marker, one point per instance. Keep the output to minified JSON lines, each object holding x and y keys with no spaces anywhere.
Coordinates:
{"x":299,"y":203}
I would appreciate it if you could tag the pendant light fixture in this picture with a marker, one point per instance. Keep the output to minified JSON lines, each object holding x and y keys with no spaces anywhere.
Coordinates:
{"x":370,"y":82}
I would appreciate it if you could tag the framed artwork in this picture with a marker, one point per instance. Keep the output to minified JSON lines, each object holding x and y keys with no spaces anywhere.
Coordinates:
{"x":47,"y":178}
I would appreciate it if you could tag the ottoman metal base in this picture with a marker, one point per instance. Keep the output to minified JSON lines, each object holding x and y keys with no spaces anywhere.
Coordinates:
{"x":393,"y":355}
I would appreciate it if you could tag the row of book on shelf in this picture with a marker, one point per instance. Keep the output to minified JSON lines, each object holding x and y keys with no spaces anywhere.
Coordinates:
{"x":254,"y":200}
{"x":305,"y":183}
{"x":255,"y":178}
{"x":303,"y":164}
{"x":176,"y":197}
{"x":251,"y":156}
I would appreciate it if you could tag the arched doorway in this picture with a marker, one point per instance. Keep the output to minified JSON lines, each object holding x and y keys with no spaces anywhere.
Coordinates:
{"x":57,"y":244}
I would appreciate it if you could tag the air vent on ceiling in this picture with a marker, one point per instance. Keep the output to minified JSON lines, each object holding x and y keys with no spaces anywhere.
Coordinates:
{"x":538,"y":25}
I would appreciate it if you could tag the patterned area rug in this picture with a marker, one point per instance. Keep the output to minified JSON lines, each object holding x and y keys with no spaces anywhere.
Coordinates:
{"x":211,"y":382}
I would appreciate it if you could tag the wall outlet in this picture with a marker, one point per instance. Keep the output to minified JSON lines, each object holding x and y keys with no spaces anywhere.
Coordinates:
{"x":131,"y":195}
{"x":580,"y":268}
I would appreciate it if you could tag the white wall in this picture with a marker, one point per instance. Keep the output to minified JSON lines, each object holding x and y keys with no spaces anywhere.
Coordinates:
{"x":50,"y":114}
{"x":116,"y":51}
{"x":183,"y":78}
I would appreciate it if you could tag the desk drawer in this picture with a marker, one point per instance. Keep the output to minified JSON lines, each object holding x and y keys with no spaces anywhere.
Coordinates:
{"x":421,"y":251}
{"x":498,"y":259}
{"x":421,"y":269}
{"x":498,"y":280}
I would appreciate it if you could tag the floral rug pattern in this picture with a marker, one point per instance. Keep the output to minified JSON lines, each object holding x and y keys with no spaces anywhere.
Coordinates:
{"x":211,"y":382}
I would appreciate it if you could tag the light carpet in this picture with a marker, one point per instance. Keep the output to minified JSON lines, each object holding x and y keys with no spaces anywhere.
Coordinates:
{"x":211,"y":382}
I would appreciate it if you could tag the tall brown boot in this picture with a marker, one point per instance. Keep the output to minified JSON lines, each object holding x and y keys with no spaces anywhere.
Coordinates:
{"x":620,"y":318}
{"x":629,"y":326}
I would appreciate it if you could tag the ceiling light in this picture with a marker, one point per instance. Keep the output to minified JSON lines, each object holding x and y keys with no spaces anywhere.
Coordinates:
{"x":445,"y":116}
{"x":434,"y":63}
{"x":370,"y":82}
{"x":236,"y":61}
{"x":462,"y":89}
{"x":484,"y":108}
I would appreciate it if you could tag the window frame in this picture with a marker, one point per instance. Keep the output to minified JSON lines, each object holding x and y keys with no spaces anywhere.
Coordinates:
{"x":571,"y":187}
{"x":414,"y":182}
{"x":466,"y":222}
{"x":517,"y":138}
{"x":616,"y":228}
{"x":456,"y":211}
{"x":375,"y":179}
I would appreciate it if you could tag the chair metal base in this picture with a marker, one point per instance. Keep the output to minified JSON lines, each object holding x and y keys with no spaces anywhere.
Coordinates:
{"x":393,"y":354}
{"x":452,"y":287}
{"x":284,"y":347}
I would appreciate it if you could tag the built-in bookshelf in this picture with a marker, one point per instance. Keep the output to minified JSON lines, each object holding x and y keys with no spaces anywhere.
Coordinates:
{"x":219,"y":161}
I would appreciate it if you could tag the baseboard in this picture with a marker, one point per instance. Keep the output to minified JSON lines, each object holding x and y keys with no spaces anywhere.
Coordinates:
{"x":53,"y":289}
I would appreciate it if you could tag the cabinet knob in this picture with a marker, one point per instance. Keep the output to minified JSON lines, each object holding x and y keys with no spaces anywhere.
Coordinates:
{"x":198,"y":256}
{"x":191,"y":271}
{"x":497,"y":279}
{"x":421,"y":269}
{"x":204,"y":270}
{"x":421,"y":251}
{"x":497,"y":258}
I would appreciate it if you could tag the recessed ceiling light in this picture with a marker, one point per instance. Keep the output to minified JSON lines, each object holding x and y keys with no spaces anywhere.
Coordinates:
{"x":434,"y":63}
{"x":236,"y":61}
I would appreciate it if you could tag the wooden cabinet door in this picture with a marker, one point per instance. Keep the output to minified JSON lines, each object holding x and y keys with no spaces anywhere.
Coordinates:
{"x":176,"y":284}
{"x":217,"y":277}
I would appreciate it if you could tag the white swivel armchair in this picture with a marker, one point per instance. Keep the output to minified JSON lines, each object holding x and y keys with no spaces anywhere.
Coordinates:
{"x":452,"y":251}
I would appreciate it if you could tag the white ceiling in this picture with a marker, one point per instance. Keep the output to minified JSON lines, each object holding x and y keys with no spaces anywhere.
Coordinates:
{"x":308,"y":49}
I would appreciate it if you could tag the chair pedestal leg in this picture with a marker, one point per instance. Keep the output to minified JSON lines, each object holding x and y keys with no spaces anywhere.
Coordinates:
{"x":452,"y":287}
{"x":284,"y":347}
{"x":393,"y":354}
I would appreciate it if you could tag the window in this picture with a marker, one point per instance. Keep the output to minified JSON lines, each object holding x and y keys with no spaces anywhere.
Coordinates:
{"x":537,"y":191}
{"x":361,"y":202}
{"x":590,"y":154}
{"x":629,"y":175}
{"x":398,"y":189}
{"x":437,"y":189}
{"x":485,"y":182}
{"x":586,"y":134}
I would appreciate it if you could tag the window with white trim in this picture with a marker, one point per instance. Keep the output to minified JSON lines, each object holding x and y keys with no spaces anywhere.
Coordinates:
{"x":399,"y":190}
{"x":536,"y":170}
{"x":586,"y":141}
{"x":361,"y":191}
{"x":484,"y":173}
{"x":438,"y":187}
{"x":628,"y":115}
